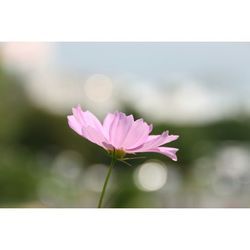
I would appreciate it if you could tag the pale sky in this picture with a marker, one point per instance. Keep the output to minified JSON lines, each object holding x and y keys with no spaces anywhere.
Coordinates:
{"x":225,"y":63}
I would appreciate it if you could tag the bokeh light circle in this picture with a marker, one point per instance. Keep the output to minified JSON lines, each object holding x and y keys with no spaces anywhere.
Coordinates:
{"x":151,"y":176}
{"x":98,"y":88}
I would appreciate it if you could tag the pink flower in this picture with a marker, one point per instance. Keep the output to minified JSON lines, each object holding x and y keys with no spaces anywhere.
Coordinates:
{"x":121,"y":133}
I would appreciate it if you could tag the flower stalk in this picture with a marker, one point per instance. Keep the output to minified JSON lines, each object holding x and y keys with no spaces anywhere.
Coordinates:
{"x":106,"y":180}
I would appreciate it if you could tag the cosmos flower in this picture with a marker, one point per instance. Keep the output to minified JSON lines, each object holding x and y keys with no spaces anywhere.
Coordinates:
{"x":121,"y":134}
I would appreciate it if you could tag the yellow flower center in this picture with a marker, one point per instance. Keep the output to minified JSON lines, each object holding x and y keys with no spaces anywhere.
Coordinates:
{"x":117,"y":153}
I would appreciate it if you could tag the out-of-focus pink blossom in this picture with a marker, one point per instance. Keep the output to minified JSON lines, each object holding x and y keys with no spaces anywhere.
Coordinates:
{"x":121,"y":133}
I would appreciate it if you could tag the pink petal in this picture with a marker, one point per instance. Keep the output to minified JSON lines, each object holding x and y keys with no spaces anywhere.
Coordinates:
{"x":155,"y":141}
{"x":123,"y":132}
{"x":137,"y":134}
{"x":119,"y":129}
{"x":107,"y":123}
{"x":74,"y":124}
{"x":169,"y":152}
{"x":87,"y":125}
{"x":86,"y":118}
{"x":94,"y":136}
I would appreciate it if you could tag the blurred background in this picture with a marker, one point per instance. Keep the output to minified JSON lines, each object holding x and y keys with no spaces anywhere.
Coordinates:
{"x":199,"y":91}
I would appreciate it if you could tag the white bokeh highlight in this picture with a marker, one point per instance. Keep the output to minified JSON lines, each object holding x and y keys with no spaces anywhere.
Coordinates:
{"x":98,"y":88}
{"x":151,"y":176}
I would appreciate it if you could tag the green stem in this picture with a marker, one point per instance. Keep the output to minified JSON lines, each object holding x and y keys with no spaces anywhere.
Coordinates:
{"x":106,"y":181}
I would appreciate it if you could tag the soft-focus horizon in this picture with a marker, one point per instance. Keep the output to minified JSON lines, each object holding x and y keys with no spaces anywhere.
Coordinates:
{"x":197,"y":90}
